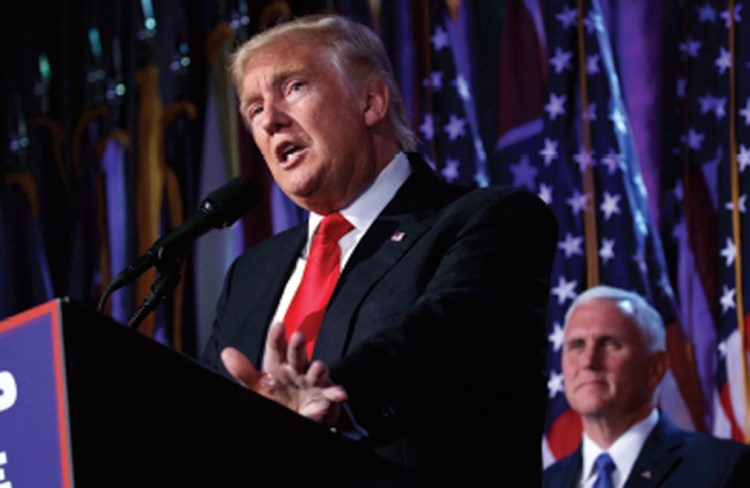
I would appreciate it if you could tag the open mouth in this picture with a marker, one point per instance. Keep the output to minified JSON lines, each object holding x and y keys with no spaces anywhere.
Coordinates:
{"x":288,"y":152}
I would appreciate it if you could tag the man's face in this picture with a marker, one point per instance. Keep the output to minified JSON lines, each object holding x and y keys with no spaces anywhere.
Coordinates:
{"x":309,"y":124}
{"x":606,"y":369}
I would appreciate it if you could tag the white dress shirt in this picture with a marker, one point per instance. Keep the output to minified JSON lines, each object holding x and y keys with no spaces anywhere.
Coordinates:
{"x":361,"y":213}
{"x":623,"y":452}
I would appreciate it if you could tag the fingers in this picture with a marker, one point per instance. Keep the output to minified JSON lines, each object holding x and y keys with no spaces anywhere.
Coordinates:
{"x":335,"y":394}
{"x":317,"y":374}
{"x":275,"y":346}
{"x":297,"y":353}
{"x":240,"y":368}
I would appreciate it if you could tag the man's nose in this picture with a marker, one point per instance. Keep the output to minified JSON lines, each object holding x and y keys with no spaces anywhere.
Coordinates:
{"x":592,"y":357}
{"x":273,"y":118}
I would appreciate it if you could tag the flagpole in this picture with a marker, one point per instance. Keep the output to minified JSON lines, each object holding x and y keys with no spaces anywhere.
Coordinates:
{"x":589,"y":212}
{"x":736,"y":226}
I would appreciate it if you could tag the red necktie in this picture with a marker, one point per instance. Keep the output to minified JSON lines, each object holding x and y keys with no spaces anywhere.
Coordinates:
{"x":306,"y":310}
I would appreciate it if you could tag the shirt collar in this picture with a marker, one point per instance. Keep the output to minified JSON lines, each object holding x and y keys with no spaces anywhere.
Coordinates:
{"x":624,"y":451}
{"x":363,"y":211}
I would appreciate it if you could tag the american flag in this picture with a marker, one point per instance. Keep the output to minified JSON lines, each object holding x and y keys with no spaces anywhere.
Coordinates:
{"x":448,"y":129}
{"x":706,"y":186}
{"x":586,"y":169}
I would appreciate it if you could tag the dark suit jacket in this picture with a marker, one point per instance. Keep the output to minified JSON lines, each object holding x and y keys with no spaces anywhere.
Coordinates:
{"x":436,"y":327}
{"x":671,"y":457}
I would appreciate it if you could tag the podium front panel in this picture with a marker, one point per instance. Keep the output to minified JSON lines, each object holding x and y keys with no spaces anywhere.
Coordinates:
{"x":34,"y":430}
{"x":87,"y":402}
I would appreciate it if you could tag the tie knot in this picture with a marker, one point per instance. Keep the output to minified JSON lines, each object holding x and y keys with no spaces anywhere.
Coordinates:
{"x":333,"y":227}
{"x":604,"y":463}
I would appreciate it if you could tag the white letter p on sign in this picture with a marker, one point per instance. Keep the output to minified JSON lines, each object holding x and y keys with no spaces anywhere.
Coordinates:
{"x":8,"y":390}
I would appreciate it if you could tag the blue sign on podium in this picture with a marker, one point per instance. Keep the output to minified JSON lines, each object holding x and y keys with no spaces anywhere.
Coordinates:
{"x":34,"y":430}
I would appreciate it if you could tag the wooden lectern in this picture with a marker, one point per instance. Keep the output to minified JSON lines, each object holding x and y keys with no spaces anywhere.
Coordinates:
{"x":87,"y":402}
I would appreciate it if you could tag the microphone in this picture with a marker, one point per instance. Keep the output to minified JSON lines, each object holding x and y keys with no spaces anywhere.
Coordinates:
{"x":221,"y":208}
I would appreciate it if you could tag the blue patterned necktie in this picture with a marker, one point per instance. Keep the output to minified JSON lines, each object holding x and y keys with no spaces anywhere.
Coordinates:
{"x":604,"y":467}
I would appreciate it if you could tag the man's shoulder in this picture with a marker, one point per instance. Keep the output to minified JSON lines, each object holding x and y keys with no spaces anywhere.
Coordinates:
{"x":519,"y":200}
{"x":563,"y":471}
{"x":699,"y":457}
{"x":706,"y":444}
{"x":670,"y":432}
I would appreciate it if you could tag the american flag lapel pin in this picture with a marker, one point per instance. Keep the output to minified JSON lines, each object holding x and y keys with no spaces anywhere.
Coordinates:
{"x":646,"y":474}
{"x":398,"y":236}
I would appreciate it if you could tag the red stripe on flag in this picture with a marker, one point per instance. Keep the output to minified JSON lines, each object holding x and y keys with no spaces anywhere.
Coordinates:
{"x":565,"y":434}
{"x":683,"y":365}
{"x":726,"y":404}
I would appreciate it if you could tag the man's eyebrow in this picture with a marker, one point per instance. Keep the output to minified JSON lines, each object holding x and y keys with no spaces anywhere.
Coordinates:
{"x":278,"y":77}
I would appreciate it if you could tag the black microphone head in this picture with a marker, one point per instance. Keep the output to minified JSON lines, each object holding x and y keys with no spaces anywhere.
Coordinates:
{"x":230,"y":202}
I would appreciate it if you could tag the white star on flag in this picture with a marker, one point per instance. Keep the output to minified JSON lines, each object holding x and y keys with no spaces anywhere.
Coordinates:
{"x":567,"y":17}
{"x":725,"y":15}
{"x":545,"y":193}
{"x":435,"y":81}
{"x":727,"y":299}
{"x":745,"y":112}
{"x":729,"y":252}
{"x":724,"y":61}
{"x":690,"y":47}
{"x":455,"y":127}
{"x":565,"y":290}
{"x":427,"y":128}
{"x":577,"y":202}
{"x":694,"y":139}
{"x":590,"y":113}
{"x":611,"y":160}
{"x":555,"y":384}
{"x":549,"y":152}
{"x":722,"y":348}
{"x":610,"y":205}
{"x":440,"y":39}
{"x":555,"y":106}
{"x":592,"y":64}
{"x":450,"y":171}
{"x":743,"y":158}
{"x":584,"y":158}
{"x":706,"y":13}
{"x":524,"y":173}
{"x":556,"y":337}
{"x":607,"y":251}
{"x":571,"y":246}
{"x":741,"y":204}
{"x":561,"y":60}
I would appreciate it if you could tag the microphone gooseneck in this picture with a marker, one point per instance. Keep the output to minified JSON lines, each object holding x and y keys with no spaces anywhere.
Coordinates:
{"x":221,"y":208}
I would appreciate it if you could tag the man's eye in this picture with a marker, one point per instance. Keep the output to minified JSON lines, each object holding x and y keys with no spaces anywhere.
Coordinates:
{"x":613,"y":344}
{"x":254,"y":110}
{"x":296,"y":86}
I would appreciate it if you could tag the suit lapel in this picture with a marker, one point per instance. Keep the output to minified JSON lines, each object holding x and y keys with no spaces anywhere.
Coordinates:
{"x":658,"y":456}
{"x":271,"y":276}
{"x":394,"y":232}
{"x":570,"y":472}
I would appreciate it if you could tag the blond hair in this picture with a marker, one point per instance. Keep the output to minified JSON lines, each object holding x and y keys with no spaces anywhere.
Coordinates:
{"x":354,"y":48}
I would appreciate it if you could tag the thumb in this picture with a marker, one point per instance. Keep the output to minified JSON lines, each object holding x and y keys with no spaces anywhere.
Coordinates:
{"x":241,"y":368}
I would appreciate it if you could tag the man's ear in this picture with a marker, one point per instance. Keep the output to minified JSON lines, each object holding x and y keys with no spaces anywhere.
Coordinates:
{"x":377,"y":101}
{"x":659,"y":367}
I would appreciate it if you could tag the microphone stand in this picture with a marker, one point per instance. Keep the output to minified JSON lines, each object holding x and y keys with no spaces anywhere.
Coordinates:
{"x":160,"y":290}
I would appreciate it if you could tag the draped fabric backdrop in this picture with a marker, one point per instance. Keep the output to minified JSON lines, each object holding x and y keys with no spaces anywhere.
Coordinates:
{"x":631,"y":120}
